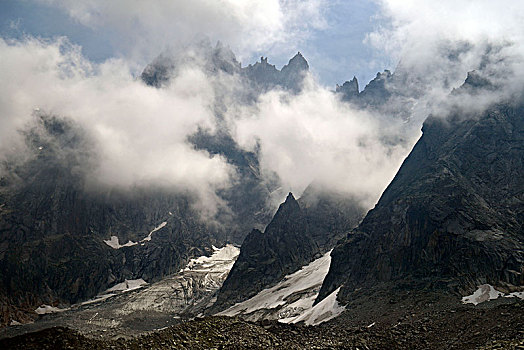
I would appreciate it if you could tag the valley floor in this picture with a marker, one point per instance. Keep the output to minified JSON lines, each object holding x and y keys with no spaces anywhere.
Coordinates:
{"x":403,"y":322}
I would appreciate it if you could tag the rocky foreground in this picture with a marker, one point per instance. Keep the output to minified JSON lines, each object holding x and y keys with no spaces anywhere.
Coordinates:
{"x":403,"y":321}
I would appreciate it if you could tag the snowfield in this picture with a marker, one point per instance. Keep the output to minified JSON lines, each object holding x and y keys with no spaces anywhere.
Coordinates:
{"x":148,"y":238}
{"x":291,"y":300}
{"x":114,"y":243}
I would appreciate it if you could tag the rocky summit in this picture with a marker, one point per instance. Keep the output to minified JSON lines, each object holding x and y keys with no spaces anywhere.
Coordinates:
{"x":300,"y":232}
{"x":265,"y":258}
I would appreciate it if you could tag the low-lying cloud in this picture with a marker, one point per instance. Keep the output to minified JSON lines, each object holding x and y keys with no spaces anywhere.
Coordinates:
{"x":437,"y":43}
{"x":140,"y":131}
{"x":314,"y":137}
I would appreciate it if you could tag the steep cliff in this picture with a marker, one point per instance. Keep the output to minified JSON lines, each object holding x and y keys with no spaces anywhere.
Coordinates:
{"x":300,"y":232}
{"x":453,"y":216}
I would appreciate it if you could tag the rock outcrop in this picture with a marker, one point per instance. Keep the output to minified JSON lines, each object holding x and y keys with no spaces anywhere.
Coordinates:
{"x":453,"y":216}
{"x":266,"y":257}
{"x":263,"y":76}
{"x":257,"y":78}
{"x":300,"y":232}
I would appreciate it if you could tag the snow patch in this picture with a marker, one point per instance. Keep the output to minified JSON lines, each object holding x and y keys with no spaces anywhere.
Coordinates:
{"x":126,"y":286}
{"x":519,"y":295}
{"x":97,"y":299}
{"x":148,"y":238}
{"x":115,"y":244}
{"x":322,"y":312}
{"x":48,"y":309}
{"x":304,"y":283}
{"x":123,"y":287}
{"x":487,"y":292}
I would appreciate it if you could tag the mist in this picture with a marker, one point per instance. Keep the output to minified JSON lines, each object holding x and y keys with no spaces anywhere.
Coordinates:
{"x":315,"y":137}
{"x":437,"y":43}
{"x":140,"y":30}
{"x":141,"y":132}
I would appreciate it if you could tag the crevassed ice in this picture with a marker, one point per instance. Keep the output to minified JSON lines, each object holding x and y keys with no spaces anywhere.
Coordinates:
{"x":221,"y":260}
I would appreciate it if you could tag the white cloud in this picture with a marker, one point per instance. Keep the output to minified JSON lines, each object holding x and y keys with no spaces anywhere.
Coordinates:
{"x":147,"y":27}
{"x":140,"y":131}
{"x":315,"y":137}
{"x":439,"y":41}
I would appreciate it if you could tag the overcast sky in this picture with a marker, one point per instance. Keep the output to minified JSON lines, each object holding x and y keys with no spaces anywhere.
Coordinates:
{"x":330,"y":34}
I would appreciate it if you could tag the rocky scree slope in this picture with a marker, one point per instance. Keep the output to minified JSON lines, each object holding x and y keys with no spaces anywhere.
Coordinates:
{"x":458,"y":327}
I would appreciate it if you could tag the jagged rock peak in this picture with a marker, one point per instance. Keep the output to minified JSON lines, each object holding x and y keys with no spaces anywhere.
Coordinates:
{"x":297,"y":62}
{"x":383,"y":75}
{"x":476,"y":80}
{"x":290,"y":198}
{"x":289,"y":204}
{"x":349,"y":88}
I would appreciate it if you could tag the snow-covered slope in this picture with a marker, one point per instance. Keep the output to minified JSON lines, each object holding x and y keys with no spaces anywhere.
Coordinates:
{"x":291,"y":300}
{"x":327,"y":309}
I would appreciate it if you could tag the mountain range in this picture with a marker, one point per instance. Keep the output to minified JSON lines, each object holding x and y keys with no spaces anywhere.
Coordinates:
{"x":451,"y":220}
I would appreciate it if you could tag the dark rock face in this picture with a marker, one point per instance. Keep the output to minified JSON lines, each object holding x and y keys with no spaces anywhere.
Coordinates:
{"x":248,"y":198}
{"x":454,"y":214}
{"x":158,"y":72}
{"x":265,"y":258}
{"x":329,"y":215}
{"x":53,"y":223}
{"x":348,"y":90}
{"x":300,"y":232}
{"x":375,"y":94}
